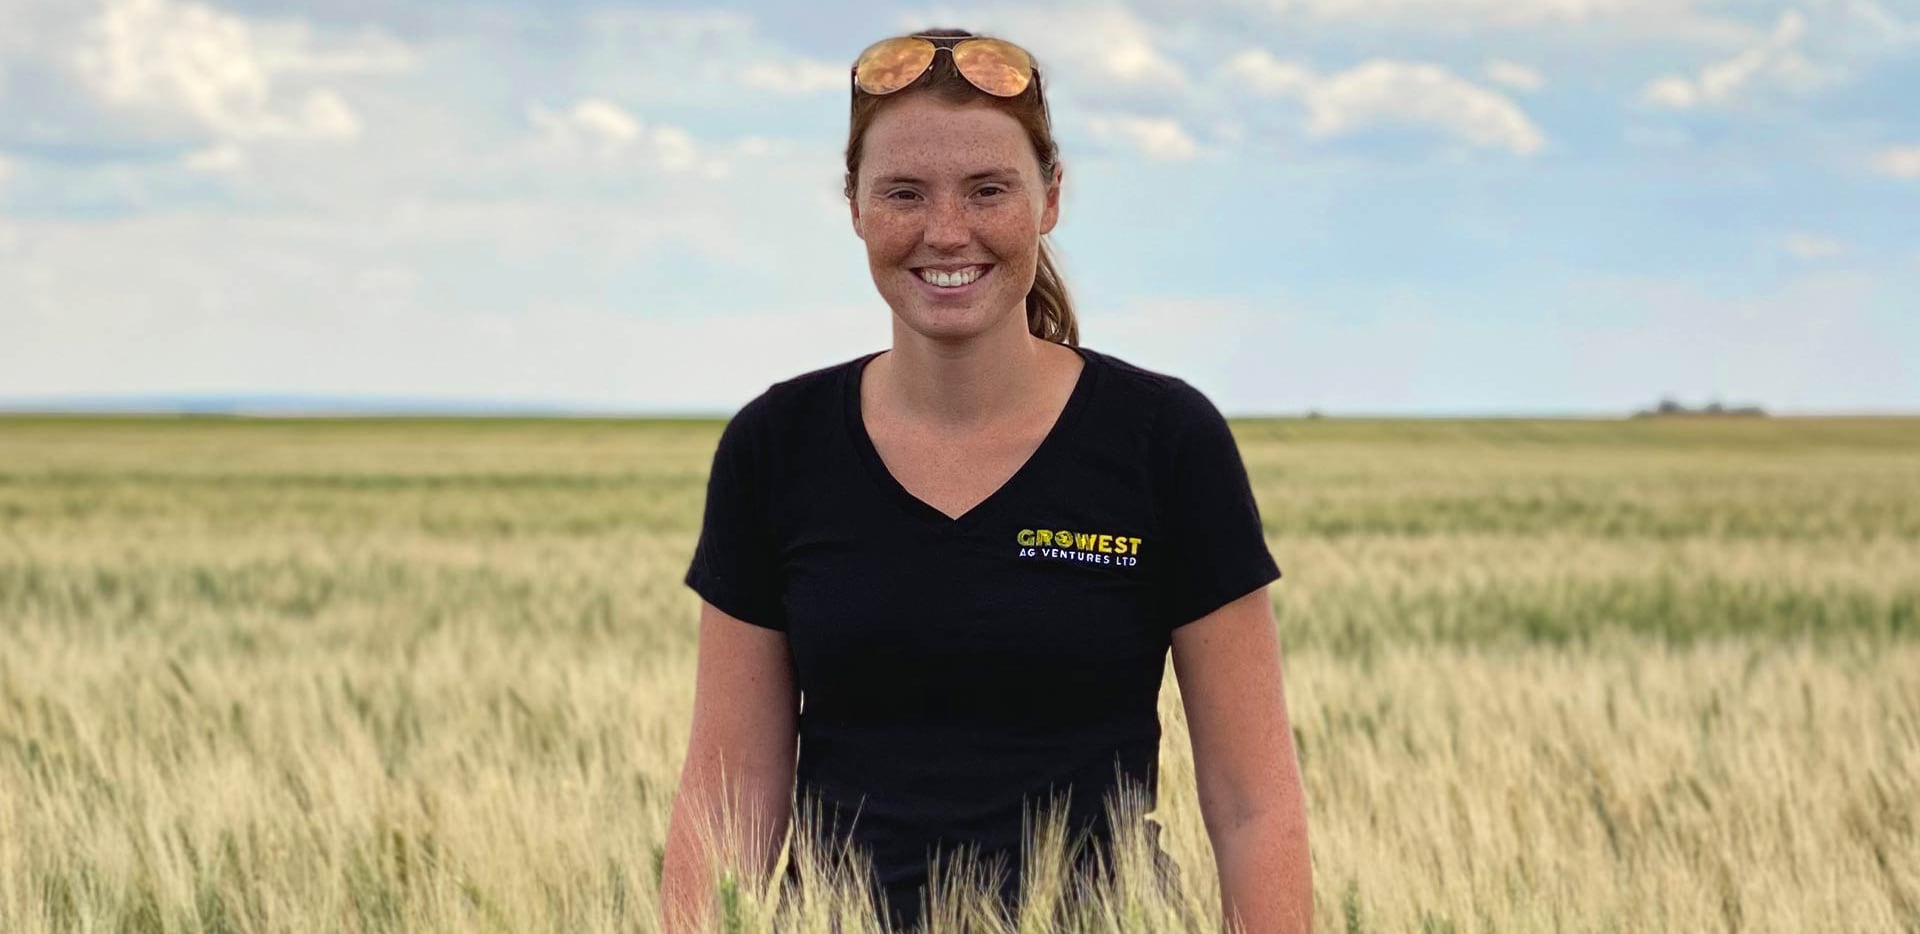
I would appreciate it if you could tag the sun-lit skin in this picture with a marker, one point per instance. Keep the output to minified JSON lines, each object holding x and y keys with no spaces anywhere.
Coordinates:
{"x":942,"y":217}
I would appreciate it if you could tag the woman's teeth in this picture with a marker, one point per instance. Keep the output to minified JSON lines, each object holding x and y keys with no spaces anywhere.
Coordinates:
{"x":953,"y":279}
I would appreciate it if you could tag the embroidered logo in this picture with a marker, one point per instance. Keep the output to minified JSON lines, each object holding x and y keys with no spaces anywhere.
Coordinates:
{"x":1068,"y":545}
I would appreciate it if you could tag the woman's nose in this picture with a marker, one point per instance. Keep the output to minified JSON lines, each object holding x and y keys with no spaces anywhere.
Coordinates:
{"x":947,"y":225}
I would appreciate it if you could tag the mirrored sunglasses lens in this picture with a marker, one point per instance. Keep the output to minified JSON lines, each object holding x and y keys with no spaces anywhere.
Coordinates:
{"x":996,"y":67}
{"x":892,"y":64}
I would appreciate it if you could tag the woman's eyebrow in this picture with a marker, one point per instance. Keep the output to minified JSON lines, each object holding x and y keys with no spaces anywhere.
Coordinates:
{"x":998,"y":172}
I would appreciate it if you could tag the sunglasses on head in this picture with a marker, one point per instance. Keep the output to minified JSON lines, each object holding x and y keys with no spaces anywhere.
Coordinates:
{"x":995,"y":66}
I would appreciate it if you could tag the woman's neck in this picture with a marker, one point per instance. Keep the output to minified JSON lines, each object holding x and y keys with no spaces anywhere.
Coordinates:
{"x":960,"y":387}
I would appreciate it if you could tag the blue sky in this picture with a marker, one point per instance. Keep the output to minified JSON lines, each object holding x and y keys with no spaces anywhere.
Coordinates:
{"x":1355,"y":206}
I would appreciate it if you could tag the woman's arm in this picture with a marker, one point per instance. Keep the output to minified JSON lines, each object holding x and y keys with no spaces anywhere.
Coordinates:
{"x":744,"y":717}
{"x":1251,"y":797}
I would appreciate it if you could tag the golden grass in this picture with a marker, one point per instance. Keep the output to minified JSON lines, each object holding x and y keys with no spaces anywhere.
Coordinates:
{"x":423,"y":676}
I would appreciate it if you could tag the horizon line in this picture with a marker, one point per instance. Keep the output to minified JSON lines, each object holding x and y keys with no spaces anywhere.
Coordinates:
{"x":323,"y":406}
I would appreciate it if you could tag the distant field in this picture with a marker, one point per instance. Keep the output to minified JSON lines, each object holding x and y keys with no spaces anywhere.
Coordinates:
{"x":436,"y":674}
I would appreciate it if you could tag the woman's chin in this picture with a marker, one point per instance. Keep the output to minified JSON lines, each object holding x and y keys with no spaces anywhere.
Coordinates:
{"x":949,"y":322}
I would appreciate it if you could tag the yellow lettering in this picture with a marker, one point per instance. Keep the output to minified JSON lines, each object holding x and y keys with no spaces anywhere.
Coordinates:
{"x":1043,"y":537}
{"x":1106,"y":544}
{"x":1063,"y":538}
{"x":1025,"y":537}
{"x":1136,"y":545}
{"x":1119,"y":544}
{"x":1083,"y":541}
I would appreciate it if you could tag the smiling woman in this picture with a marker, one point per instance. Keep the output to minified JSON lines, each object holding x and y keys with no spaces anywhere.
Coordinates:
{"x":947,"y":244}
{"x":895,"y":572}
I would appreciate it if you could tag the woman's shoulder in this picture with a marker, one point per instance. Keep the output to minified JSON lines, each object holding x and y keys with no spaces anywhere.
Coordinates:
{"x":1164,"y":397}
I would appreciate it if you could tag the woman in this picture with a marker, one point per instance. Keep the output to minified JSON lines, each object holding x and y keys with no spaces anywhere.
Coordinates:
{"x":950,"y":571}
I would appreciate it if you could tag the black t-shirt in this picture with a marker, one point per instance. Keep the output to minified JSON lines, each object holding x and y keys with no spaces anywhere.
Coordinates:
{"x":952,"y":670}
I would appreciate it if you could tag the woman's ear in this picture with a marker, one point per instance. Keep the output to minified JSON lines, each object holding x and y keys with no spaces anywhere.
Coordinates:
{"x":852,"y":188}
{"x":1050,"y":215}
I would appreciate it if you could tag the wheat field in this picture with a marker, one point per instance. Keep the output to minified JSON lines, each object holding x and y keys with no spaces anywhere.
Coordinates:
{"x":436,"y":675}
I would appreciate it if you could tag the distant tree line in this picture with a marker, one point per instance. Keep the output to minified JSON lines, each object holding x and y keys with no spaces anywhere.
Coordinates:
{"x":1669,"y":406}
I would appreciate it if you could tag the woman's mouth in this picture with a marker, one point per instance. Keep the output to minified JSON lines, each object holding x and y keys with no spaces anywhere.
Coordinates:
{"x":958,"y":283}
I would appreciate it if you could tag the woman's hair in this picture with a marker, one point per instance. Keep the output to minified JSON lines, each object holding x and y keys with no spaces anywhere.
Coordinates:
{"x":1049,"y":311}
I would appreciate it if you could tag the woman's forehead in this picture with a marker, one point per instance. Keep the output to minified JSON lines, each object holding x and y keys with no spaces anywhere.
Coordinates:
{"x":937,"y":140}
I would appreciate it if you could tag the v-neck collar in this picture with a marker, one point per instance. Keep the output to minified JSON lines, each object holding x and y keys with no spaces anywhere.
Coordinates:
{"x":920,"y":509}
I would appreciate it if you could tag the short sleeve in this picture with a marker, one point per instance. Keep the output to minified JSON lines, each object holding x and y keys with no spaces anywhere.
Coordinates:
{"x":1213,"y":550}
{"x":735,"y":564}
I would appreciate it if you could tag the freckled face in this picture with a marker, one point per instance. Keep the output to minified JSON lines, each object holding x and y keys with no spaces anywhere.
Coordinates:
{"x":946,"y":185}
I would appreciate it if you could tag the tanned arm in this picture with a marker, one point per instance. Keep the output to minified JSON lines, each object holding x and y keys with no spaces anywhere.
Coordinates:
{"x":745,"y":711}
{"x":1251,"y":796}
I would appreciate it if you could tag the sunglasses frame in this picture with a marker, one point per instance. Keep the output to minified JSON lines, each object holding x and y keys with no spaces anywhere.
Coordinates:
{"x":951,"y":45}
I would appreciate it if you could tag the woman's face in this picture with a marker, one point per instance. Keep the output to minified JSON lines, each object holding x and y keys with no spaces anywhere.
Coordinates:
{"x":945,"y":186}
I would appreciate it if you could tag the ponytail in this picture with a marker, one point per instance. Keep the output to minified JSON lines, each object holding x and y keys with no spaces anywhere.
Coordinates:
{"x":1049,"y":310}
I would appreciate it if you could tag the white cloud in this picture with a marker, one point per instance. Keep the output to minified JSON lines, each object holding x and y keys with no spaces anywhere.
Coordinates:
{"x":1776,"y":62}
{"x":224,"y":72}
{"x":1386,"y":92}
{"x":706,"y":60}
{"x":1100,"y":46}
{"x":1810,"y":246}
{"x":1268,"y":75}
{"x":595,"y":119}
{"x":1875,"y":19}
{"x":1161,"y":138}
{"x":713,"y":35}
{"x":1514,"y":75}
{"x":1689,"y":20}
{"x":1898,"y":161}
{"x":600,"y":129}
{"x":795,"y":76}
{"x":225,"y":157}
{"x":291,"y":47}
{"x":1487,"y":11}
{"x":1381,"y":92}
